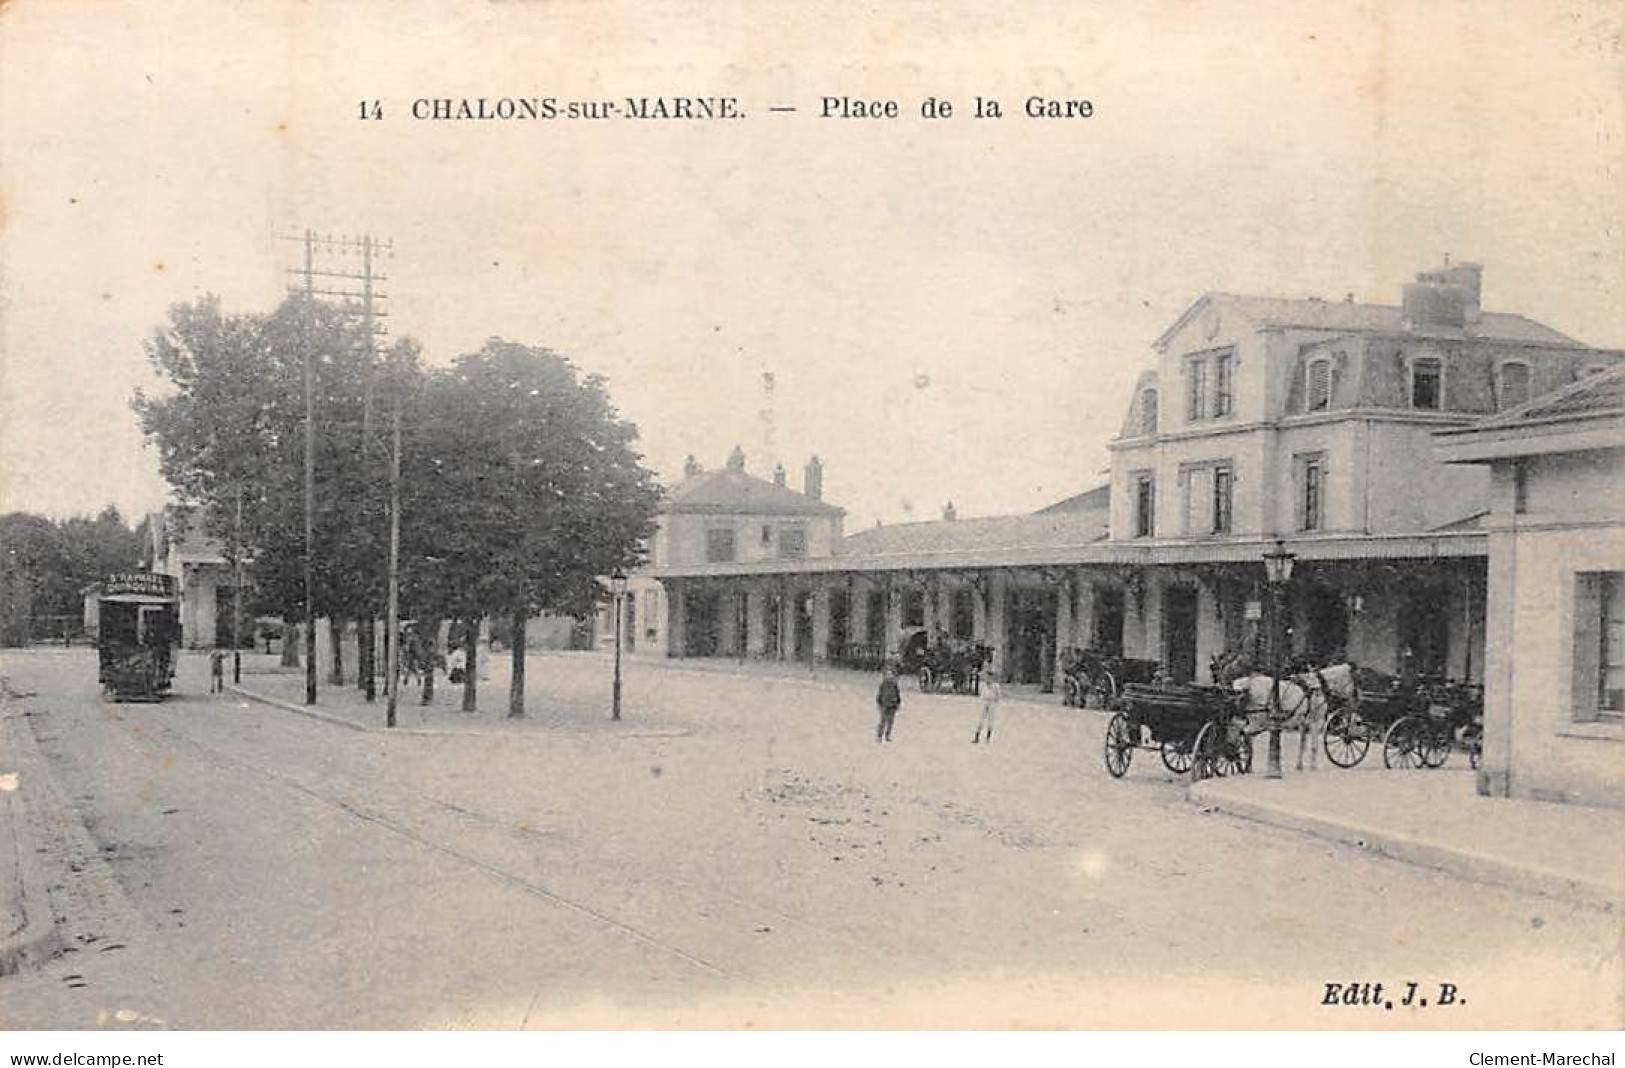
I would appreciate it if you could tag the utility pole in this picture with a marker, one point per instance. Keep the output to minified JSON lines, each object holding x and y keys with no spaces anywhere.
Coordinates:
{"x":237,"y":596}
{"x":310,"y":477}
{"x":392,"y":636}
{"x":350,"y":302}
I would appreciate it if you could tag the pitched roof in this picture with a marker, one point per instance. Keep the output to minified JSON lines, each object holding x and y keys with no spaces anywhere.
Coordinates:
{"x":1600,"y":394}
{"x":730,"y":490}
{"x":957,"y":537}
{"x":1587,"y":414}
{"x":1363,"y":318}
{"x":1095,"y":499}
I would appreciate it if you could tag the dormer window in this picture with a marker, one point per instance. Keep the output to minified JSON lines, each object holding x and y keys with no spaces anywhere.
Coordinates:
{"x":1148,"y":411}
{"x":1318,"y":384}
{"x":1427,"y":383}
{"x":1512,"y":386}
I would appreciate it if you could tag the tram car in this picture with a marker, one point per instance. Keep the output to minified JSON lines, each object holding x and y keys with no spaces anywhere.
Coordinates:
{"x":138,"y":631}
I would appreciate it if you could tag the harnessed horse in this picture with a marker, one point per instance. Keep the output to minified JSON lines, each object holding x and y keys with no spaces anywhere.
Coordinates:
{"x":1305,"y":699}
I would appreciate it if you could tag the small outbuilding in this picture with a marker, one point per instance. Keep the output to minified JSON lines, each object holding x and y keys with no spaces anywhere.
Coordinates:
{"x":1555,"y":678}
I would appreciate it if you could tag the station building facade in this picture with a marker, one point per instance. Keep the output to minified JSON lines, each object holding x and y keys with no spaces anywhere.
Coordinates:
{"x":1256,"y":419}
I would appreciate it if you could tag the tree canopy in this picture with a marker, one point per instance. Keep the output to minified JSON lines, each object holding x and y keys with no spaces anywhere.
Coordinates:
{"x":521,"y":483}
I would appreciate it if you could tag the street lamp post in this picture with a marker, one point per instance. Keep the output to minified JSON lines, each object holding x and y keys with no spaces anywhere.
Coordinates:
{"x":1278,"y":570}
{"x":617,"y":586}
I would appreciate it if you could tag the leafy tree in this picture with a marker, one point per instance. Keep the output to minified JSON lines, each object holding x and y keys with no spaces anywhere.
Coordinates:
{"x":45,"y":566}
{"x":536,"y":491}
{"x":231,"y":430}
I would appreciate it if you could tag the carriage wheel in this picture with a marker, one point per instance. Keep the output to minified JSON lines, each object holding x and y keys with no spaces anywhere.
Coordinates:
{"x":1205,"y":752}
{"x":1435,"y":745}
{"x":1177,"y":758}
{"x":1120,"y":743}
{"x":1402,"y":744}
{"x":1346,"y":739}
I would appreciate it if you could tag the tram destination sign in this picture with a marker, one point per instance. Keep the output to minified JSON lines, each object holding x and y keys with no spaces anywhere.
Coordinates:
{"x":146,"y":583}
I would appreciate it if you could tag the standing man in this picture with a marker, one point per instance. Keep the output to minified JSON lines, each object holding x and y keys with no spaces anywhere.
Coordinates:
{"x":992,"y":694}
{"x":888,"y":697}
{"x":217,"y":672}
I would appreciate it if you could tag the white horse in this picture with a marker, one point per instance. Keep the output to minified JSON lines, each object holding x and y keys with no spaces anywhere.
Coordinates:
{"x":1304,"y":699}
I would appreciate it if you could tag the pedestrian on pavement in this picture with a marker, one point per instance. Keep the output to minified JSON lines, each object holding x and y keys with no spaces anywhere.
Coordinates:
{"x":992,"y":694}
{"x":217,"y":672}
{"x":888,"y":697}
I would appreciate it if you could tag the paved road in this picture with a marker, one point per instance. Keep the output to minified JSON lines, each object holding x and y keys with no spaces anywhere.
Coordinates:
{"x":759,"y":861}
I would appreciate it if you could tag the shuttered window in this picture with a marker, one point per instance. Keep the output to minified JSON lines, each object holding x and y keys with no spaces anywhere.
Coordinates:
{"x":1148,"y":411}
{"x":1195,"y":389}
{"x":1312,"y":492}
{"x":1223,"y":480}
{"x":1317,"y":390}
{"x":1144,"y":507}
{"x":1223,"y":384}
{"x":720,"y":546}
{"x":1514,"y":389}
{"x":1599,"y":645}
{"x":793,"y":542}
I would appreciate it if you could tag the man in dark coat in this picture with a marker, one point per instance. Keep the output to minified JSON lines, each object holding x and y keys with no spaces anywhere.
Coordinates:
{"x":887,"y":698}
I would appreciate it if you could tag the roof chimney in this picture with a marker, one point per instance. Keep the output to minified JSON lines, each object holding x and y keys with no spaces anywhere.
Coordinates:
{"x":812,"y":479}
{"x":949,"y":512}
{"x":1446,"y":296}
{"x":778,"y":475}
{"x":736,"y":459}
{"x":691,"y":467}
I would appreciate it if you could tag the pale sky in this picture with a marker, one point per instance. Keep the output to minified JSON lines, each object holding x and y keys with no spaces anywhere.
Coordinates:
{"x":151,"y":152}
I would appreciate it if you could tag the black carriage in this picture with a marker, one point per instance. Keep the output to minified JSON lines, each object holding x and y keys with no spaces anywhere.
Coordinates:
{"x":1447,"y":714}
{"x":137,"y":633}
{"x":1418,"y":721}
{"x":1189,"y":725}
{"x":948,"y":665}
{"x":1092,"y":675}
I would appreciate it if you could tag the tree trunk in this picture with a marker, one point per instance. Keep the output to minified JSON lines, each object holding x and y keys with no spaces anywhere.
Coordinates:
{"x":429,"y":648}
{"x":516,"y":686}
{"x":290,"y":645}
{"x":370,"y":683}
{"x":335,"y":636}
{"x":471,"y":650}
{"x":360,"y":653}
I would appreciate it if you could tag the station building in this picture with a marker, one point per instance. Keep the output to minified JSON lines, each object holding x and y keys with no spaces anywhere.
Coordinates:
{"x":1256,"y":419}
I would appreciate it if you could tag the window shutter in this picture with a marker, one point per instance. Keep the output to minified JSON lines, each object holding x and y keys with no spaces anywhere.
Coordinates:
{"x":1514,"y":384}
{"x":1319,"y":391}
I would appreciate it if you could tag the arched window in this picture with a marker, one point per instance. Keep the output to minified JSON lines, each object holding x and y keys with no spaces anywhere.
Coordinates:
{"x":1148,"y":411}
{"x":1512,"y":389}
{"x":1319,"y":381}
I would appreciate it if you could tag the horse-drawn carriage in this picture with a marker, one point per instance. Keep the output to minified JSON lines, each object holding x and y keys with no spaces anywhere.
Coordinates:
{"x":952,"y":666}
{"x":137,"y":632}
{"x":1098,"y":676}
{"x":1419,"y":721}
{"x":1187,"y":724}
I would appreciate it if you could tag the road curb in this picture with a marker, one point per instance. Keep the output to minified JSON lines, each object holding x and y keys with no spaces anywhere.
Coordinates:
{"x":1452,"y":860}
{"x":37,"y":938}
{"x":429,"y":732}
